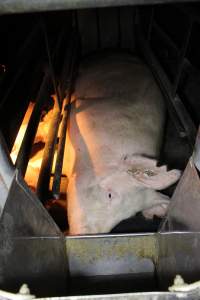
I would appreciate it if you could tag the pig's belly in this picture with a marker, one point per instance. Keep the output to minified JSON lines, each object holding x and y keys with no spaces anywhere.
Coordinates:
{"x":117,"y":111}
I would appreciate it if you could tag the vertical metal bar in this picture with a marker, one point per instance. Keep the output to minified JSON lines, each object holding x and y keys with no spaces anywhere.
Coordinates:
{"x":62,"y":139}
{"x":6,"y":166}
{"x":75,"y":19}
{"x":98,"y":29}
{"x":150,"y":24}
{"x":25,"y":149}
{"x":47,"y":160}
{"x":43,"y":96}
{"x":119,"y":26}
{"x":25,"y":50}
{"x":6,"y":172}
{"x":58,"y":100}
{"x":179,"y":114}
{"x":61,"y":148}
{"x":134,"y":16}
{"x":181,"y":57}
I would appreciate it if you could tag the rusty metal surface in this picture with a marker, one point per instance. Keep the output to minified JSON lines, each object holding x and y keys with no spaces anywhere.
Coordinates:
{"x":111,"y":254}
{"x":137,"y":255}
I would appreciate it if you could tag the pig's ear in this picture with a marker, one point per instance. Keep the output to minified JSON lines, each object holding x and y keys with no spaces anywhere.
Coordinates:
{"x":147,"y":173}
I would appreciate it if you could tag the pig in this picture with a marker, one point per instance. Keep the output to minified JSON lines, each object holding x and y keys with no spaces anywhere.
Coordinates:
{"x":113,"y":142}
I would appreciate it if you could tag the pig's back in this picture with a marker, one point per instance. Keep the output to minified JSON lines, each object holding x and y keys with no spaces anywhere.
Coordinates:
{"x":117,"y":111}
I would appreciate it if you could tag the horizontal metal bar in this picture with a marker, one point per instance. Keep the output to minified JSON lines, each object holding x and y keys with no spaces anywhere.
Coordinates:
{"x":180,"y":116}
{"x":22,"y":6}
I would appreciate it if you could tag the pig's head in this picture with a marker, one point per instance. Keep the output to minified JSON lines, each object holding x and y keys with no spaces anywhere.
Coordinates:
{"x":118,"y":194}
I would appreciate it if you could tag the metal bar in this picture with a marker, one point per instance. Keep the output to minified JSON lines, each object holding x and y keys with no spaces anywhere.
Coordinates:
{"x":196,"y":154}
{"x":151,"y":24}
{"x":119,"y":27}
{"x":6,"y":166}
{"x":6,"y":172}
{"x":21,"y":6}
{"x":43,"y":96}
{"x":28,"y":44}
{"x":66,"y":70}
{"x":60,"y":152}
{"x":25,"y":149}
{"x":49,"y":149}
{"x":47,"y":160}
{"x":180,"y":116}
{"x":182,"y":57}
{"x":190,"y":12}
{"x":58,"y":100}
{"x":75,"y":20}
{"x":66,"y":112}
{"x":165,"y":37}
{"x":98,"y":29}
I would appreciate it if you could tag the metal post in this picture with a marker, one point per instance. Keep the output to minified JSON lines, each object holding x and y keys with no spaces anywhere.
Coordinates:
{"x":98,"y":29}
{"x":66,"y":112}
{"x":151,"y":24}
{"x":47,"y":160}
{"x":25,"y":149}
{"x":182,"y":56}
{"x":179,"y":114}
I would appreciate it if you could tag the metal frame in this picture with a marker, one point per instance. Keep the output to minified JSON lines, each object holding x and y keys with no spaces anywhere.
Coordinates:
{"x":25,"y":225}
{"x":69,"y":70}
{"x":22,"y":6}
{"x":176,"y":108}
{"x":50,"y":145}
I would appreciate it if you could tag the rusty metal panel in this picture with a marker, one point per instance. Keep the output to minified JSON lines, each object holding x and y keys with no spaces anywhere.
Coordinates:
{"x":111,"y":254}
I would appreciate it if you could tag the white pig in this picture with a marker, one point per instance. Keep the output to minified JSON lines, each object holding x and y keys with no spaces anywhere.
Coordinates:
{"x":115,"y":134}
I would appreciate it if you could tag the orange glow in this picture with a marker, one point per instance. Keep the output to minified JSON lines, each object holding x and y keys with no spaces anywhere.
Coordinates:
{"x":35,"y":161}
{"x":21,"y":133}
{"x":33,"y":168}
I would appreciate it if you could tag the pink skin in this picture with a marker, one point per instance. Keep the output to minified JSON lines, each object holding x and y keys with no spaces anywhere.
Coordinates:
{"x":116,"y":123}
